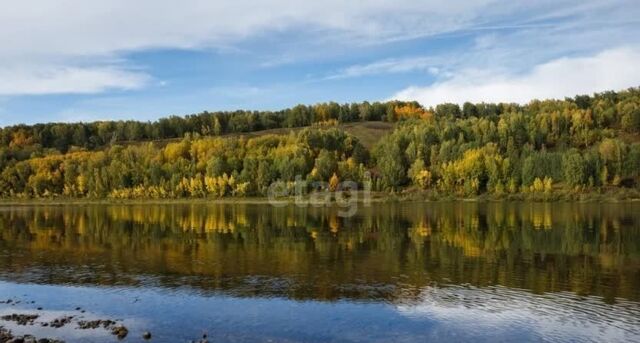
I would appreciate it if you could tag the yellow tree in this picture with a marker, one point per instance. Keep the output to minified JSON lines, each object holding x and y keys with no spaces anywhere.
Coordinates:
{"x":333,"y":182}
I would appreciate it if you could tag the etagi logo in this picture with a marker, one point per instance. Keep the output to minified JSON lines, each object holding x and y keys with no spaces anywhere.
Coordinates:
{"x":345,"y":194}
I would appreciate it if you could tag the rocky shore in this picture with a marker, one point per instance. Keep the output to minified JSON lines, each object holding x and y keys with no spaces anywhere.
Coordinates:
{"x":37,"y":317}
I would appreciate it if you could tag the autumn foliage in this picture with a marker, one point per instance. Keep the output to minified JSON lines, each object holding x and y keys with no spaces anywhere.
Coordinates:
{"x":586,"y":143}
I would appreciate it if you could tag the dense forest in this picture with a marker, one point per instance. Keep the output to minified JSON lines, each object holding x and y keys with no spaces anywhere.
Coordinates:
{"x":585,"y":144}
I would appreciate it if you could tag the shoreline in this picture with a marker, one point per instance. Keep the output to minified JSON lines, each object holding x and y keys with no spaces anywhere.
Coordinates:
{"x":603,"y":198}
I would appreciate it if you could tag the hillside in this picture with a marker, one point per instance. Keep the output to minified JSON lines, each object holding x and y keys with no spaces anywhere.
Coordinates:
{"x":545,"y":150}
{"x":368,"y":133}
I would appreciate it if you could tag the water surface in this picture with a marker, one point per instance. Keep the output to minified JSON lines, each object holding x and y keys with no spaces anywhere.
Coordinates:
{"x":407,"y":272}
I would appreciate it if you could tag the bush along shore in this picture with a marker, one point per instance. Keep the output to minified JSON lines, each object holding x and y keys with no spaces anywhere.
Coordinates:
{"x":581,"y":148}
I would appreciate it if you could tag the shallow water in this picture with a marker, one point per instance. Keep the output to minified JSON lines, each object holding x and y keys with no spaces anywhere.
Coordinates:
{"x":406,"y":272}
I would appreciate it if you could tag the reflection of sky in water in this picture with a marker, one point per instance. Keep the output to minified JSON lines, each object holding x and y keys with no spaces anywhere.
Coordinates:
{"x":446,"y":314}
{"x":486,"y":313}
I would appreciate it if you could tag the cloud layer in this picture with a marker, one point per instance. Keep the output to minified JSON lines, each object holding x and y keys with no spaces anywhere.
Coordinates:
{"x":564,"y":77}
{"x":42,"y":41}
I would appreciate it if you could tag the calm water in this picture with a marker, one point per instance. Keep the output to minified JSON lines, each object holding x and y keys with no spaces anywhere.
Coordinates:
{"x":401,"y":272}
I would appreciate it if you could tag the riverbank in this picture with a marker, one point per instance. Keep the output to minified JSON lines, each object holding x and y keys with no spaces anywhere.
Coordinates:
{"x":595,"y":196}
{"x":558,"y":195}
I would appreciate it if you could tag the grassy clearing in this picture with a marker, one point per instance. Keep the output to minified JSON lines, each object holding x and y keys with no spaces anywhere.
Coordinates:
{"x":367,"y":132}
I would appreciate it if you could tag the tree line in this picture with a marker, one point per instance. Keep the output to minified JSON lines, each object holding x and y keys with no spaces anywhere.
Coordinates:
{"x":577,"y":144}
{"x":65,"y":136}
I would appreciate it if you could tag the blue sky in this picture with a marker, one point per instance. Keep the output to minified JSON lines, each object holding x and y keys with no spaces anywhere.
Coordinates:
{"x":73,"y":60}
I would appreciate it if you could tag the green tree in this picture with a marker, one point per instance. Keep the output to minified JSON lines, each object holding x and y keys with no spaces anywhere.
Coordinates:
{"x":574,"y":169}
{"x":325,"y":165}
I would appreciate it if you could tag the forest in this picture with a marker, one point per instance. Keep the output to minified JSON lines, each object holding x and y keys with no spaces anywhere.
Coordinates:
{"x":544,"y":149}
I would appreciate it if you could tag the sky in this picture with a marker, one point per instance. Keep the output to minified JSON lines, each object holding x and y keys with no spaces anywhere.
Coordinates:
{"x":78,"y":60}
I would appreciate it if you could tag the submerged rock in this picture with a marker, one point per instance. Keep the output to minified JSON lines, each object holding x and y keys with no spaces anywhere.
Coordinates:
{"x":94,"y":324}
{"x":120,"y":331}
{"x":202,"y":340}
{"x":146,"y":335}
{"x":21,"y":319}
{"x":60,"y":322}
{"x":7,"y":337}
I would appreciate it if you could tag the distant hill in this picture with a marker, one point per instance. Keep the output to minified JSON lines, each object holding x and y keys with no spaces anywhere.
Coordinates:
{"x":547,"y":149}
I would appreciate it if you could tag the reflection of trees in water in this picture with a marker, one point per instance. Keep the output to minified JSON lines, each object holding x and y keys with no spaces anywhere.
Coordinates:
{"x":312,"y":252}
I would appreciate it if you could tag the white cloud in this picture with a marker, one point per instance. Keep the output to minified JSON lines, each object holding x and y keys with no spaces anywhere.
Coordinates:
{"x":389,"y":66}
{"x":48,"y":79}
{"x":612,"y":69}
